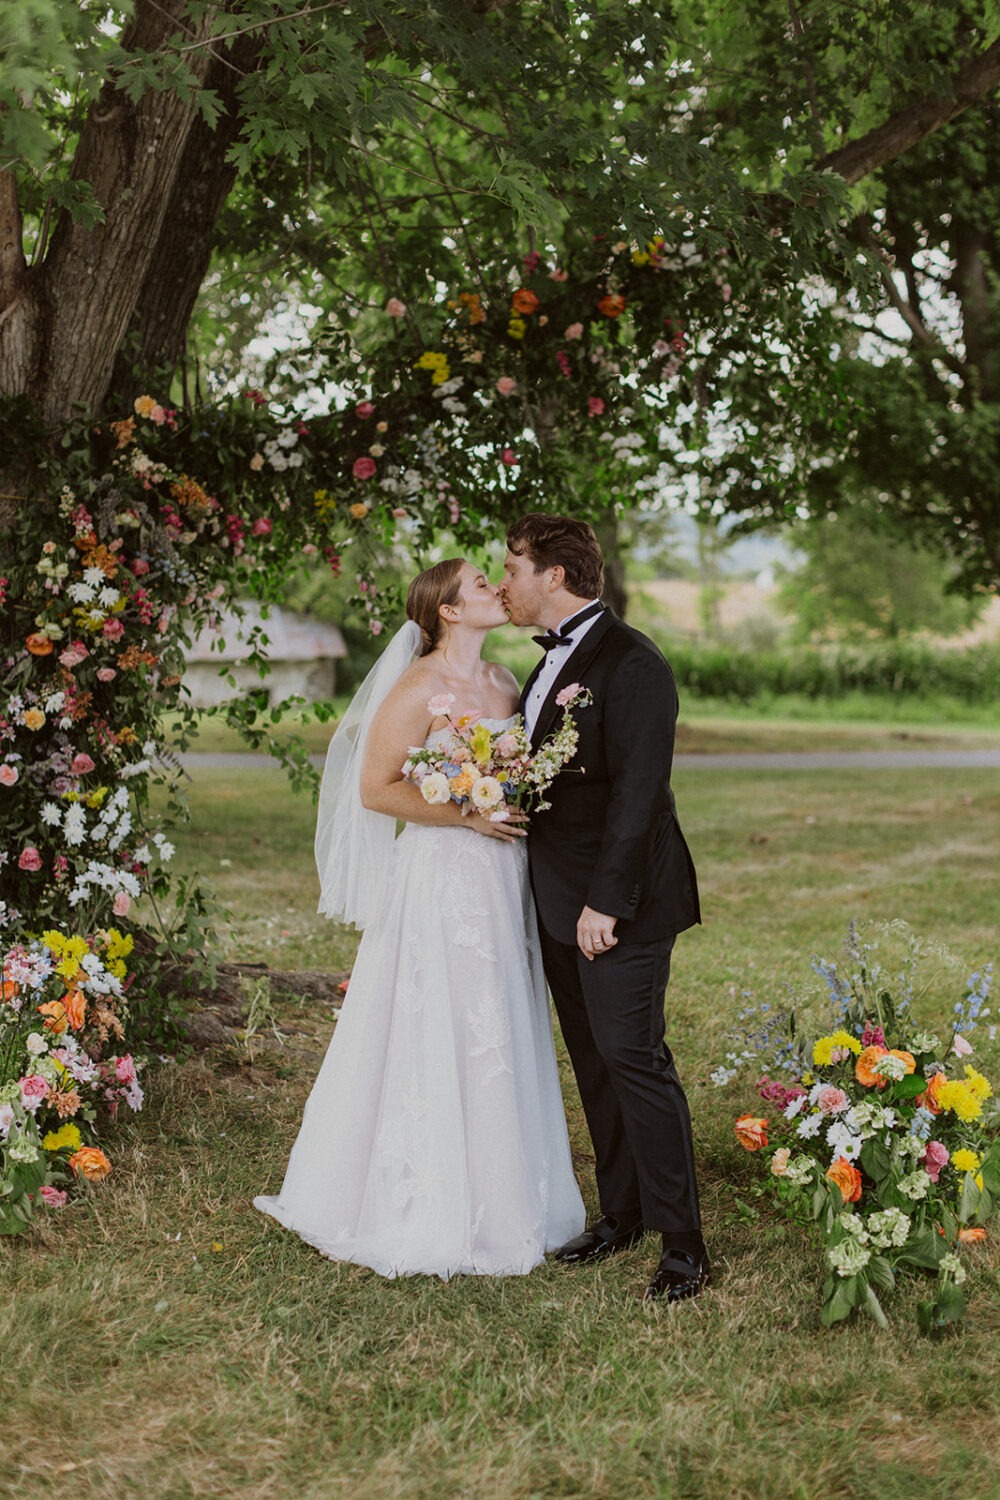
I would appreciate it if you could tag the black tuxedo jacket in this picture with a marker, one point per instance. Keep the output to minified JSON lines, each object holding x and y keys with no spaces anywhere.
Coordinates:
{"x":611,"y":839}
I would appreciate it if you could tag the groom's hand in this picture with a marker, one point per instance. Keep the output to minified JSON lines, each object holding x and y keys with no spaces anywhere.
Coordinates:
{"x":595,"y":933}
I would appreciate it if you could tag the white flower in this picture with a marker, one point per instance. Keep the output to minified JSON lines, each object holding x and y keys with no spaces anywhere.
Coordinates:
{"x":108,"y":596}
{"x":93,"y":576}
{"x":36,"y":1044}
{"x":848,"y":1258}
{"x":22,"y":1150}
{"x":449,"y":387}
{"x":893,"y":1068}
{"x":924,"y":1041}
{"x":142,"y":855}
{"x":74,"y":824}
{"x":950,"y":1265}
{"x":435,"y":789}
{"x":809,"y":1126}
{"x":799,"y":1170}
{"x":795,"y":1107}
{"x":54,"y":703}
{"x":164,"y":846}
{"x":889,"y":1229}
{"x":288,"y":438}
{"x":843,"y":1141}
{"x":722,"y":1075}
{"x":854,"y":1225}
{"x":914,"y":1184}
{"x":81,"y":593}
{"x":50,"y":814}
{"x":487,"y":794}
{"x":6,"y":1120}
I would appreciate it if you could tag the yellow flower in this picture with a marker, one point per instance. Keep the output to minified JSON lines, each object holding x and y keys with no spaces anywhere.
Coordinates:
{"x":97,"y":796}
{"x":143,"y":406}
{"x":358,"y":511}
{"x":66,"y":1138}
{"x":441,"y":374}
{"x":964,"y":1160}
{"x":979,"y":1085}
{"x":959,"y":1097}
{"x":823,"y":1050}
{"x":462,"y":784}
{"x":479,"y":744}
{"x":32,"y":718}
{"x":517,"y":328}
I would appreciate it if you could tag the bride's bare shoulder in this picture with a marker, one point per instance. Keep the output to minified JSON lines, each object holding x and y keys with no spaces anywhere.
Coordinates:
{"x":502,"y":677}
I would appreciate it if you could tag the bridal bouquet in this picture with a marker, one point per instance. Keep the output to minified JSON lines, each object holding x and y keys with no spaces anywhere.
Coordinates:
{"x":491,"y":770}
{"x":883,"y":1132}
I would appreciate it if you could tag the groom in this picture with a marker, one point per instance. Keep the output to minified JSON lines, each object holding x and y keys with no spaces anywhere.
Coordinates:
{"x":614,"y":884}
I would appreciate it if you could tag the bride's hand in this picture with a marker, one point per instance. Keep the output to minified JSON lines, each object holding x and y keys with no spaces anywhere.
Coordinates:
{"x":514,"y":826}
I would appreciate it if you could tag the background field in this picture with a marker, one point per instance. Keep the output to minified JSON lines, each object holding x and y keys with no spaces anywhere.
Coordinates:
{"x":163,"y":1340}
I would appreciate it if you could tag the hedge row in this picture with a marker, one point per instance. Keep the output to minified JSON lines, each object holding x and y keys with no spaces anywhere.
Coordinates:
{"x":902,"y":670}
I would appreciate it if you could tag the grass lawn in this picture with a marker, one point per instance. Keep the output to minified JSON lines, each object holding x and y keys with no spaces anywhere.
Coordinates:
{"x":163,"y":1340}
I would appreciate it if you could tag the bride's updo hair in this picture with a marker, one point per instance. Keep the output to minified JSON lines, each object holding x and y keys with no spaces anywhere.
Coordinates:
{"x":426,"y":594}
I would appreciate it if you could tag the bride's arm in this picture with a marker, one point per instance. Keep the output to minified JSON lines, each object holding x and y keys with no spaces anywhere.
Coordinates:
{"x":403,"y":721}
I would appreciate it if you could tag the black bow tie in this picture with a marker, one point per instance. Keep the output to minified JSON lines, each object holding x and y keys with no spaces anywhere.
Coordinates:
{"x":561,"y":637}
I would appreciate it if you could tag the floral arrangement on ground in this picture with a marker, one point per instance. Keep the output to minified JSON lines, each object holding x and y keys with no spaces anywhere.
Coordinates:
{"x":64,"y":1071}
{"x":885,"y":1133}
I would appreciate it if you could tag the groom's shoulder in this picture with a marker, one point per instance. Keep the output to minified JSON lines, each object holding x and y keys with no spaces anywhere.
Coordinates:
{"x":624,"y":640}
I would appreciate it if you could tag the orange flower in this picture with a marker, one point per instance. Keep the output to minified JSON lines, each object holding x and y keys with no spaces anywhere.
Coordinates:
{"x":612,"y":305}
{"x":751,"y":1132}
{"x":39,"y":644}
{"x":907,"y":1057}
{"x":863,"y":1067}
{"x":973,"y":1236}
{"x":90,"y":1162}
{"x":929,"y":1099}
{"x":524,"y":302}
{"x":846,"y":1177}
{"x":75,"y":1005}
{"x":9,"y":989}
{"x":56,"y":1017}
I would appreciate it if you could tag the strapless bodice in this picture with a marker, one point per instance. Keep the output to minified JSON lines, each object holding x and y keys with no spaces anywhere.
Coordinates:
{"x":438,"y":736}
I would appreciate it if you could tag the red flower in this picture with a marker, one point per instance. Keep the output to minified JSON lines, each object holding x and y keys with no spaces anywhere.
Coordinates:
{"x":612,"y":305}
{"x":364,"y":467}
{"x":524,"y":302}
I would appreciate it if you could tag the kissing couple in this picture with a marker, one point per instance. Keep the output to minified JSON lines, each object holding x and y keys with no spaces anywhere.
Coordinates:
{"x":434,"y":1140}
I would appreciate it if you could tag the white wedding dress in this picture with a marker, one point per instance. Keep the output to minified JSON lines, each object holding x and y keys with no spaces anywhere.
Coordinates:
{"x":434,"y":1140}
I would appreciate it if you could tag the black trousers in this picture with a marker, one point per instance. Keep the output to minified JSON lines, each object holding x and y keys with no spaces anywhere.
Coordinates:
{"x":611,"y":1014}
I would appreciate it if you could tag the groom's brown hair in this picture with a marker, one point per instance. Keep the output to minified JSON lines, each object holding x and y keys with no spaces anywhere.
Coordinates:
{"x":559,"y":540}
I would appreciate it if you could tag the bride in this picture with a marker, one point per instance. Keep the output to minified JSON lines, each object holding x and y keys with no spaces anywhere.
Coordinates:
{"x":434,"y":1139}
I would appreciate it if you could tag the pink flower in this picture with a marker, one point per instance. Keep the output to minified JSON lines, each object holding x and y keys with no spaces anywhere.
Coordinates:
{"x":365,"y":410}
{"x":506,"y":746}
{"x":121,"y":903}
{"x":81,"y":764}
{"x":74,"y":654}
{"x":506,"y":385}
{"x":363,"y":468}
{"x":574,"y":331}
{"x":139,"y":566}
{"x":30,"y":859}
{"x":262,"y":527}
{"x":508,"y":457}
{"x":158,"y":415}
{"x":113,"y":629}
{"x":106,"y":674}
{"x":395,"y":308}
{"x":568,"y":692}
{"x":52,"y":1197}
{"x":125,"y":1069}
{"x":935,"y":1157}
{"x":376,"y":627}
{"x":34,"y":1089}
{"x":309,"y":548}
{"x":9,"y":775}
{"x":399,"y":511}
{"x":961,"y":1047}
{"x":831,"y":1100}
{"x":558,"y":275}
{"x":595,"y":406}
{"x":872,"y":1036}
{"x":441,"y":704}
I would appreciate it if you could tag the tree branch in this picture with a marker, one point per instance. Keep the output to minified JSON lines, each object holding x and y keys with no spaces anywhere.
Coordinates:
{"x":976,"y":78}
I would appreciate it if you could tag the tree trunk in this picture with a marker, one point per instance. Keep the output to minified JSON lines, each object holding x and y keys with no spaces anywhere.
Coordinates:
{"x":156,"y":337}
{"x":66,"y":318}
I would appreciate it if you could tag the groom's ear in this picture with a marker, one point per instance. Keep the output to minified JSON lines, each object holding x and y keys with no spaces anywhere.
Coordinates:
{"x":557,"y":576}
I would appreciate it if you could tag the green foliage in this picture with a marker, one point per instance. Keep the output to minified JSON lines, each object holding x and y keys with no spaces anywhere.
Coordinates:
{"x":897,"y":670}
{"x":862,"y":579}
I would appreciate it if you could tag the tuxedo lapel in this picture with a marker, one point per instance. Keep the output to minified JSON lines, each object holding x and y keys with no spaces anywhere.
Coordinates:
{"x":572,"y":671}
{"x":522,"y":701}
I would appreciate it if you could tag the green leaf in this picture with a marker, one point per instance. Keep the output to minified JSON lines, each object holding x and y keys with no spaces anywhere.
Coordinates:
{"x":880,"y":1273}
{"x":841,"y":1303}
{"x":873,"y":1306}
{"x":969,"y":1202}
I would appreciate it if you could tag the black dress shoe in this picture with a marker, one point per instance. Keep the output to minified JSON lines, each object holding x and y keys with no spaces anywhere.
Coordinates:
{"x":600,"y":1240}
{"x":678,"y":1276}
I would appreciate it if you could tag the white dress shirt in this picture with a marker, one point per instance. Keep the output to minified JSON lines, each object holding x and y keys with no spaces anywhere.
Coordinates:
{"x":555,"y":659}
